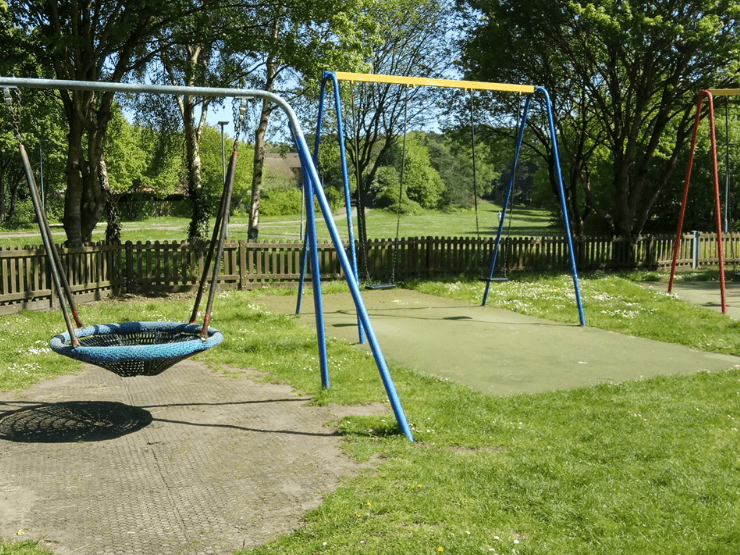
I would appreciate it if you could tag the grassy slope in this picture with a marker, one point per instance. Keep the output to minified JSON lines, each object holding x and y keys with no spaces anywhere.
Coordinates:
{"x":381,"y":225}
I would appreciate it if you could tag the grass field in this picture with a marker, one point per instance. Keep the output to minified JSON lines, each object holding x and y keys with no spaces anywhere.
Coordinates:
{"x":648,"y":466}
{"x":381,"y":225}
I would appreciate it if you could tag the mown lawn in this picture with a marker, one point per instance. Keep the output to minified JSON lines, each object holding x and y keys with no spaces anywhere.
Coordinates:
{"x":381,"y":225}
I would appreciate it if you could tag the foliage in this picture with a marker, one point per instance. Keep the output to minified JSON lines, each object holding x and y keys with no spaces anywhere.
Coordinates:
{"x":622,"y":74}
{"x":408,"y":44}
{"x":276,"y":202}
{"x":421,"y":181}
{"x":140,"y":158}
{"x":212,"y":168}
{"x":700,"y":210}
{"x":74,"y":42}
{"x":43,"y":131}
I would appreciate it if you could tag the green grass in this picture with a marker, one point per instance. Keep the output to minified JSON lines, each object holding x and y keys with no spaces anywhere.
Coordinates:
{"x":21,"y":548}
{"x":381,"y":225}
{"x":649,"y":466}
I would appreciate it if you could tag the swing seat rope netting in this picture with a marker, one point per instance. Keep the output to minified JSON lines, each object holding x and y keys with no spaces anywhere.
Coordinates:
{"x":132,"y":348}
{"x":136,"y":348}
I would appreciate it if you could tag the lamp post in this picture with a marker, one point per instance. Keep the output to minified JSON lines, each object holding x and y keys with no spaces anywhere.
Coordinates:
{"x":223,"y":150}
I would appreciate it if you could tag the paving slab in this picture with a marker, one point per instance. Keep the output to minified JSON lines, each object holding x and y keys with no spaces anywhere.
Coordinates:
{"x":188,"y":462}
{"x":497,"y":351}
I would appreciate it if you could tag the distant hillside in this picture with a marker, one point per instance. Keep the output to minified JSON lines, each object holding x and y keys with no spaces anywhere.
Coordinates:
{"x":282,"y":170}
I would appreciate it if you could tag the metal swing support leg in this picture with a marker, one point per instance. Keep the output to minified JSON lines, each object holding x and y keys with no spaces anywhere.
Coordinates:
{"x":717,"y":207}
{"x":561,"y":192}
{"x":55,"y":263}
{"x":304,"y":253}
{"x":330,"y":76}
{"x":220,"y":231}
{"x":313,"y":188}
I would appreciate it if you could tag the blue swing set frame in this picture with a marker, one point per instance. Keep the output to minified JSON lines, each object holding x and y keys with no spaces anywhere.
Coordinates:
{"x":334,"y":77}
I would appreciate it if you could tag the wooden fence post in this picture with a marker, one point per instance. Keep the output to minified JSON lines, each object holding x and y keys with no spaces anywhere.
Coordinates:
{"x":127,"y":286}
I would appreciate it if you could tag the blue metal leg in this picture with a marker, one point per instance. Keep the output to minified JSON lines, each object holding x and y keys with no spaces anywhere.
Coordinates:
{"x":316,"y":283}
{"x":563,"y":203}
{"x":385,"y":374}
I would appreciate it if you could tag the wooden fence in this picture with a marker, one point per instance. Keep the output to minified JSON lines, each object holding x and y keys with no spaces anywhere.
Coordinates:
{"x":98,"y":270}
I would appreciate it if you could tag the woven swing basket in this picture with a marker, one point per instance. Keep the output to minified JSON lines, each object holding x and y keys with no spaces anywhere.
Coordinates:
{"x":136,"y":348}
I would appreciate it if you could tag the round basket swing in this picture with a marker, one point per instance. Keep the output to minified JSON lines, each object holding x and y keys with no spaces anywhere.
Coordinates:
{"x":132,"y":348}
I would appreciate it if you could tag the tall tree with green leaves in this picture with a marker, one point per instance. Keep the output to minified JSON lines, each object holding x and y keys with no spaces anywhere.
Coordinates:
{"x":301,"y":39}
{"x":623,"y":74}
{"x":103,"y":40}
{"x":409,"y":43}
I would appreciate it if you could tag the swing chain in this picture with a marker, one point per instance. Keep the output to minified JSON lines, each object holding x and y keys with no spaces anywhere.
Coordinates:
{"x":241,"y":122}
{"x":14,"y":109}
{"x":358,"y":178}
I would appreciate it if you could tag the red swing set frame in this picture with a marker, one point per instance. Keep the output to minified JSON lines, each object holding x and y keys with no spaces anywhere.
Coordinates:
{"x":709,"y":94}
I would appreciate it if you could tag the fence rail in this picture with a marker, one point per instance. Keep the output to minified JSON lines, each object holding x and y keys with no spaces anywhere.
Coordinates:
{"x":98,"y":270}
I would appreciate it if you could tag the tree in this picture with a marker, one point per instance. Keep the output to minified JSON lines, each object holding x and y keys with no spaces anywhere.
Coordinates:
{"x":40,"y":122}
{"x":452,"y":157}
{"x":302,"y":39}
{"x":212,"y":168}
{"x":623,"y":74}
{"x":105,"y":40}
{"x":209,"y":52}
{"x":409,"y":44}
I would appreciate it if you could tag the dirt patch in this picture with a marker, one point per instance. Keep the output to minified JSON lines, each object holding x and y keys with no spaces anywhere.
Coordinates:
{"x":191,"y":461}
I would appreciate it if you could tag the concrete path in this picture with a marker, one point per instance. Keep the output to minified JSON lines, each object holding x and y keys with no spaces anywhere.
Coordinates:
{"x":187,"y":462}
{"x":706,"y":294}
{"x":496,"y":351}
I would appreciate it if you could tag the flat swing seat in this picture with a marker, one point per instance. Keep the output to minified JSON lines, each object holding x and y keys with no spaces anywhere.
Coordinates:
{"x":136,"y":348}
{"x":493,"y":280}
{"x":380,"y":286}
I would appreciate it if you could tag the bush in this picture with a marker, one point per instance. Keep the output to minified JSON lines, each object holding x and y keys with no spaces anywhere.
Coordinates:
{"x":285,"y":202}
{"x":388,"y":200}
{"x":276,"y":202}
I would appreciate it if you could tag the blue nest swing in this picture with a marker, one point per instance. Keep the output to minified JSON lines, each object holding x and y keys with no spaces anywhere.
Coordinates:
{"x":135,"y":348}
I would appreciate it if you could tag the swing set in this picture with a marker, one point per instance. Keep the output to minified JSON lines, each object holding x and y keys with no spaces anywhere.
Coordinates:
{"x":710,"y":94}
{"x":334,"y":77}
{"x":148,"y":348}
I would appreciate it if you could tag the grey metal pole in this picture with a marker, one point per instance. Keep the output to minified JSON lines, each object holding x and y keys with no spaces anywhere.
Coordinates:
{"x":223,"y":151}
{"x":306,"y":162}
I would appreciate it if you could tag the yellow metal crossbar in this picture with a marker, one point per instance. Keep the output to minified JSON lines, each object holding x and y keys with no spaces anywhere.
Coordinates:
{"x":423,"y":82}
{"x":725,"y":92}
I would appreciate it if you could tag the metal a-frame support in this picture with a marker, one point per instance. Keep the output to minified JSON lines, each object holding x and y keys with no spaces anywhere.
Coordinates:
{"x":561,"y":191}
{"x":715,"y":178}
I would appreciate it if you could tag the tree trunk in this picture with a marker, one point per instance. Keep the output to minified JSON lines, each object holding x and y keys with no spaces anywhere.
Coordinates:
{"x":13,"y":200}
{"x":259,"y":164}
{"x":199,"y":220}
{"x":259,"y":145}
{"x":197,"y":59}
{"x":2,"y":196}
{"x":87,"y":195}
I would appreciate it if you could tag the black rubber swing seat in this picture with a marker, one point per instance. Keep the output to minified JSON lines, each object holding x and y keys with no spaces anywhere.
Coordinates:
{"x":380,"y":286}
{"x":136,"y":348}
{"x":494,"y":280}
